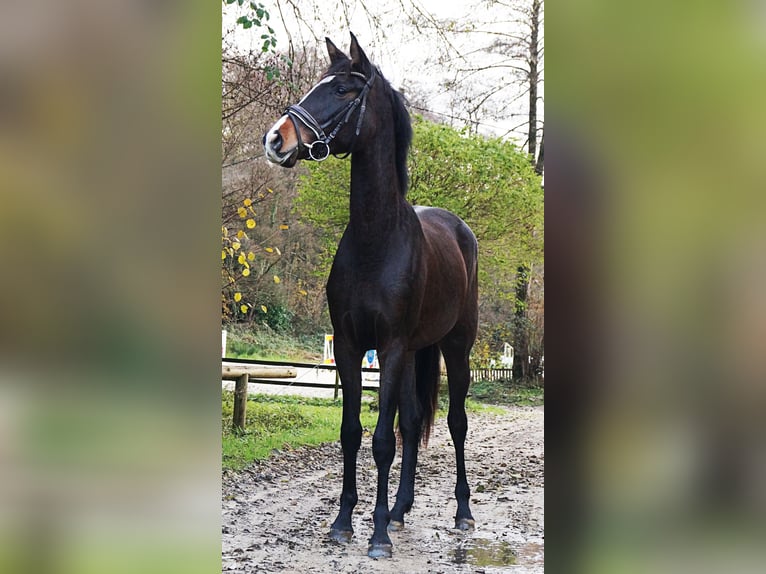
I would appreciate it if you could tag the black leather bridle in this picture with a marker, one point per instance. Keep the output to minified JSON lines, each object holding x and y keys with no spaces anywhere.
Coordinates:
{"x":319,"y":149}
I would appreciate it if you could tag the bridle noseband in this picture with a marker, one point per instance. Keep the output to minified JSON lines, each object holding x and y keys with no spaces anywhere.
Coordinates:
{"x":319,"y":149}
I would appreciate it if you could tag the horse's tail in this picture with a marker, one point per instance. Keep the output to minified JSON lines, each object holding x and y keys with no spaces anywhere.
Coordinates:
{"x":427,"y":378}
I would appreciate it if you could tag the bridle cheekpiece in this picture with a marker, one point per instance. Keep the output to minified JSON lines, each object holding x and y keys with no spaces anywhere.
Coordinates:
{"x":319,"y":149}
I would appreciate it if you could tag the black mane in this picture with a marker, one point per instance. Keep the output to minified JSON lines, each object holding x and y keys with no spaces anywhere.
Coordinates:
{"x":401,"y":121}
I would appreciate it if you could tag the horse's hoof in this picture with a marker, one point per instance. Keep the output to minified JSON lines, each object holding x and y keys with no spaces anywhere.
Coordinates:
{"x":379,"y":551}
{"x":395,"y":525}
{"x":341,"y":536}
{"x":465,"y":524}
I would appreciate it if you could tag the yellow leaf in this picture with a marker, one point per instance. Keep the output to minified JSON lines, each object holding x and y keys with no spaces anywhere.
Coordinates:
{"x":250,"y":256}
{"x":268,"y":250}
{"x":264,"y":309}
{"x":241,"y":258}
{"x":270,"y":190}
{"x":248,"y":202}
{"x":277,"y":280}
{"x":224,"y":231}
{"x":250,"y":223}
{"x":238,"y":297}
{"x":245,"y":272}
{"x":243,"y":308}
{"x":283,"y":226}
{"x":236,"y":245}
{"x":242,"y":212}
{"x":303,"y":292}
{"x":240,"y":234}
{"x":223,"y":254}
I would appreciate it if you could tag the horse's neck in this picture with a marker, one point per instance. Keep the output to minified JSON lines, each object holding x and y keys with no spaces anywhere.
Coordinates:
{"x":377,"y":207}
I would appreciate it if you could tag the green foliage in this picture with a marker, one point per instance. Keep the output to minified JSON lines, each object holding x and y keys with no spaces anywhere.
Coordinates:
{"x":488,"y":182}
{"x":278,"y":317}
{"x":323,"y":195}
{"x":260,"y":342}
{"x":256,"y":17}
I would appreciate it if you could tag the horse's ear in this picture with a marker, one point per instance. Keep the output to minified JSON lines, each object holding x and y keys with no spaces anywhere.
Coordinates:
{"x":359,"y":61}
{"x":334,"y":53}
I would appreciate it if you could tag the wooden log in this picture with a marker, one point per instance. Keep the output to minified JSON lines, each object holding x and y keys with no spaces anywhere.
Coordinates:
{"x":240,"y":403}
{"x":231,"y":372}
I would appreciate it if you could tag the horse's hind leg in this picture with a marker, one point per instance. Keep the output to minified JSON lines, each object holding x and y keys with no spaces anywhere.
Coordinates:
{"x":417,"y":403}
{"x":456,"y":349}
{"x":410,"y":422}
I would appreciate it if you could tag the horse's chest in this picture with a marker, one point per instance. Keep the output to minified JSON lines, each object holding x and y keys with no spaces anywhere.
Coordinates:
{"x":372,"y":303}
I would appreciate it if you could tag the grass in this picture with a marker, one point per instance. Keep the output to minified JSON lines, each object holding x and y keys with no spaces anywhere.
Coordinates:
{"x":282,"y":422}
{"x":287,"y":422}
{"x":267,"y":345}
{"x":504,"y":393}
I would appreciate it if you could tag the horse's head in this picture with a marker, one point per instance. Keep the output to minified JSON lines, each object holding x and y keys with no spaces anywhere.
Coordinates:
{"x":330,"y":117}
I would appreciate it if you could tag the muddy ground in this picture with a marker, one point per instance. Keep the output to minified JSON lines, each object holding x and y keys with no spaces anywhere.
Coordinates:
{"x":277,"y":513}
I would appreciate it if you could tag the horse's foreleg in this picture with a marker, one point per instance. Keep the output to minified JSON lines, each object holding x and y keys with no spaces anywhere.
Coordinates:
{"x":384,"y":446}
{"x":349,"y":368}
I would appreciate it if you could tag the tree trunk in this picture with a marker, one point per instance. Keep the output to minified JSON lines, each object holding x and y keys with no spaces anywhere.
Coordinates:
{"x":534,"y":75}
{"x":521,"y":372}
{"x":539,"y":165}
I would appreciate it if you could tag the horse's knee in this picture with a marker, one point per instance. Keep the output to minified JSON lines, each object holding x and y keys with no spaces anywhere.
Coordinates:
{"x":351,"y":436}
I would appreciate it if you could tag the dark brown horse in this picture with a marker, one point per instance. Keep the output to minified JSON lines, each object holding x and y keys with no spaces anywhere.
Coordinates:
{"x":403,"y":282}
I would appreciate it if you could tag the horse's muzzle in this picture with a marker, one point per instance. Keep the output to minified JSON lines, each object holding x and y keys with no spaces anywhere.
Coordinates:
{"x":274,"y":147}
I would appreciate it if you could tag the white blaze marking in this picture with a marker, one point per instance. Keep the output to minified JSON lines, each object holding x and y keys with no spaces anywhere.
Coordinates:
{"x":271,"y":138}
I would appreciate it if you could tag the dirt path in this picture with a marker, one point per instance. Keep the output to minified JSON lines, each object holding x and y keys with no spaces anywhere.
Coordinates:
{"x":276,"y":514}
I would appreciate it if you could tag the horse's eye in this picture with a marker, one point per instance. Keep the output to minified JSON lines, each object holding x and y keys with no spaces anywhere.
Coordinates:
{"x":341,"y":90}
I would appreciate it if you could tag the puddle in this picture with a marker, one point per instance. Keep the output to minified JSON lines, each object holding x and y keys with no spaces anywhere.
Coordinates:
{"x":480,"y":552}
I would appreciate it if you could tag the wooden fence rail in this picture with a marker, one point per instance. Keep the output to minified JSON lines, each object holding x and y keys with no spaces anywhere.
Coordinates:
{"x":246,"y":371}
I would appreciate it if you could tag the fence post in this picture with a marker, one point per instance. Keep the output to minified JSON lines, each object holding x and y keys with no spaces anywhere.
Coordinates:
{"x":337,"y":381}
{"x":240,"y":403}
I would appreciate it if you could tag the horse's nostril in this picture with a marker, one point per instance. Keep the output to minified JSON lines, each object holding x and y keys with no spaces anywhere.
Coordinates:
{"x":274,"y":140}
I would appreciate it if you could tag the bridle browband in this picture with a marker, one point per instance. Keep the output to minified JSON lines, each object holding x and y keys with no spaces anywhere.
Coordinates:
{"x":319,"y":149}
